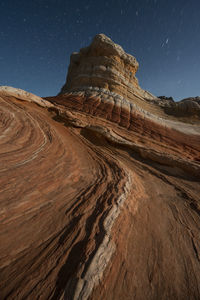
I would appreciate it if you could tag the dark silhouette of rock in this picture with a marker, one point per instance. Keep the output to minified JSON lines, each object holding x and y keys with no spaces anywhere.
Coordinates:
{"x":166,"y":98}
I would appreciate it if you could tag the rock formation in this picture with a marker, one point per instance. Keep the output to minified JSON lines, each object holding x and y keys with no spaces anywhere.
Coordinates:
{"x":99,"y":190}
{"x":186,"y":107}
{"x":104,"y":65}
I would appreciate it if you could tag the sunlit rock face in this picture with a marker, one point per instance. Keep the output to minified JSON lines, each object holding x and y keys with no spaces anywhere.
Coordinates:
{"x":99,"y":193}
{"x":104,"y":65}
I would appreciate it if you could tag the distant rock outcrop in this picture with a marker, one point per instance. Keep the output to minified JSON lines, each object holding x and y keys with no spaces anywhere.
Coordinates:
{"x":194,"y":99}
{"x":189,"y":107}
{"x":104,"y":65}
{"x":186,"y":107}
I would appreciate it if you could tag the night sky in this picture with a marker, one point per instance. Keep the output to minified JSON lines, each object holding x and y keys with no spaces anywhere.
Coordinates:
{"x":37,"y":38}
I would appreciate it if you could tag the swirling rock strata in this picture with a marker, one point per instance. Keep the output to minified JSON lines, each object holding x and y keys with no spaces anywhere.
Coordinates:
{"x":99,"y":197}
{"x":69,"y":166}
{"x":58,"y":203}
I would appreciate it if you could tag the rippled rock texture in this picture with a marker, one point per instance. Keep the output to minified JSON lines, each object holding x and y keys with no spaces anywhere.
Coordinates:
{"x":99,"y":198}
{"x":104,"y":65}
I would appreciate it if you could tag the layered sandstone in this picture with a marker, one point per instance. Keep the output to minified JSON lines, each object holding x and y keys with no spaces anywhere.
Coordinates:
{"x":186,"y":107}
{"x":99,"y":195}
{"x":189,"y":106}
{"x":23,"y":95}
{"x":104,"y":65}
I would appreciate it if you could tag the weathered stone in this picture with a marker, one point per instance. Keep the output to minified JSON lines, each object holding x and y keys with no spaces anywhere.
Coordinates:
{"x":106,"y":65}
{"x":99,"y":195}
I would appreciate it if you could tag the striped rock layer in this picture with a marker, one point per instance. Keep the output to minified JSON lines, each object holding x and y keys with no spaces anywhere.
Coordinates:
{"x":99,"y":198}
{"x":105,"y":65}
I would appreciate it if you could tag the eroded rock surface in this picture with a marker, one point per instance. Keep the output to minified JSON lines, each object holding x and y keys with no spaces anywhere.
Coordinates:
{"x":105,"y":65}
{"x":184,"y":108}
{"x":99,"y":196}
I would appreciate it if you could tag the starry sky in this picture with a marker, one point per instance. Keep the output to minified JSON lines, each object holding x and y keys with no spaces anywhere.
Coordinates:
{"x":38,"y":36}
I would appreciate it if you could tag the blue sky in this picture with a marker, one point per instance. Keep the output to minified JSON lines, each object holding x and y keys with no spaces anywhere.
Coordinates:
{"x":37,"y":38}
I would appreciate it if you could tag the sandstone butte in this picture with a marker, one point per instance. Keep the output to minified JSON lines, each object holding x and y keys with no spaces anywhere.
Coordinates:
{"x":100,"y":193}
